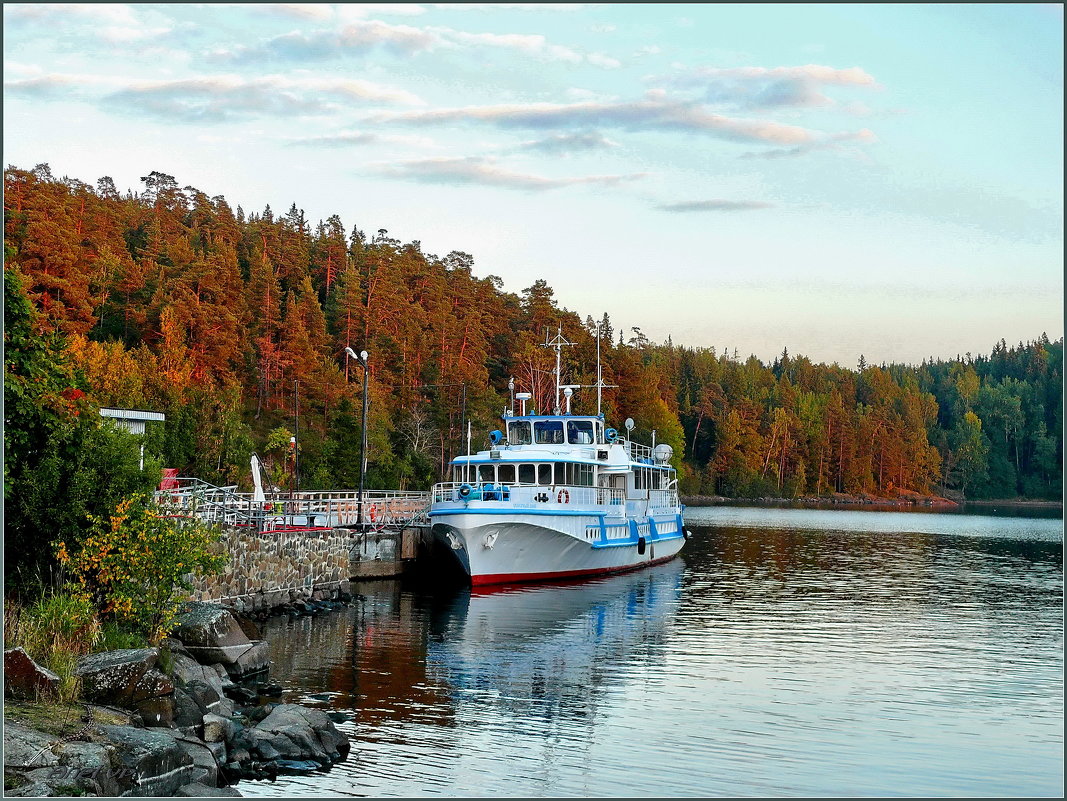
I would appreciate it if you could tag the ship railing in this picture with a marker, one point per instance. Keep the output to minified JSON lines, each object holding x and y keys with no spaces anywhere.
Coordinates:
{"x":638,"y":452}
{"x":559,"y":494}
{"x":662,"y":498}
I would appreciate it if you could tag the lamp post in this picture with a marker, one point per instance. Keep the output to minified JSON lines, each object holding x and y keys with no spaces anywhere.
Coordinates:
{"x":362,"y":357}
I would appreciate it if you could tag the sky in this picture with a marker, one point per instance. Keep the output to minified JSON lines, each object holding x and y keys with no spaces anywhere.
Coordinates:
{"x":838,"y":180}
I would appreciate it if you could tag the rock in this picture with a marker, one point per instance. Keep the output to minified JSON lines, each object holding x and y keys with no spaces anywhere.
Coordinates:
{"x":92,"y":762}
{"x":24,"y":678}
{"x":218,"y":750}
{"x":202,"y":756}
{"x":152,"y":762}
{"x":27,"y":748}
{"x":242,"y":695}
{"x":187,"y":712}
{"x":218,"y":729}
{"x":156,"y":712}
{"x":211,"y":633}
{"x":300,"y":733}
{"x":253,"y":660}
{"x":128,"y":678}
{"x":198,"y":790}
{"x":270,"y":689}
{"x":44,"y":782}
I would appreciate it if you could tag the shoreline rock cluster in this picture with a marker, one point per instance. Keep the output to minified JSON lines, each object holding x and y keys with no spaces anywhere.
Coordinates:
{"x":189,"y":718}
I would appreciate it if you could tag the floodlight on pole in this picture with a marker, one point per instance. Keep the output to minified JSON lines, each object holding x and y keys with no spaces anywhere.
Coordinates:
{"x":362,"y":358}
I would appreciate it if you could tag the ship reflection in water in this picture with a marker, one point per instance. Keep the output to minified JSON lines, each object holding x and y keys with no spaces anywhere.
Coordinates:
{"x":422,"y":679}
{"x":542,"y":652}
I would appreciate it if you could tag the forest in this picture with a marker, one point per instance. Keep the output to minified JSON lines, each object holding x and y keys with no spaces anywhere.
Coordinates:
{"x":235,"y":325}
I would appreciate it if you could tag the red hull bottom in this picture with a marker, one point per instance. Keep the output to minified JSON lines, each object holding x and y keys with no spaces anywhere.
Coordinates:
{"x":511,"y":578}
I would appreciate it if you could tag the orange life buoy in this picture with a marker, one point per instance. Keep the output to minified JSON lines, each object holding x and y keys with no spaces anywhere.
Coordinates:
{"x":373,"y":513}
{"x":563,"y":496}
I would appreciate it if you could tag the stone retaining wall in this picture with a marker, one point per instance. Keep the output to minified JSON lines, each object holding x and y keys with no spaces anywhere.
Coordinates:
{"x":265,"y":569}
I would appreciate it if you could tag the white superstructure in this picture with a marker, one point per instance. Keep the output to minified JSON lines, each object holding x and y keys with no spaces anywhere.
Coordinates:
{"x":555,"y":496}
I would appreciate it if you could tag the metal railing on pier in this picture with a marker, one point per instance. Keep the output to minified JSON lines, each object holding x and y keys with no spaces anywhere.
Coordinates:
{"x":192,"y":497}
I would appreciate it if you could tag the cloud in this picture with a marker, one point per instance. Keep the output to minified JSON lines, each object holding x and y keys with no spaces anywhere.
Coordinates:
{"x":324,"y":12}
{"x":772,"y":87}
{"x":833,"y":142}
{"x":360,"y":138}
{"x":356,"y":38}
{"x":110,"y":22}
{"x":228,"y":97}
{"x":715,"y":205}
{"x":530,"y":44}
{"x":654,"y":113}
{"x":360,"y":37}
{"x":560,"y":144}
{"x":478,"y":171}
{"x":45,"y":87}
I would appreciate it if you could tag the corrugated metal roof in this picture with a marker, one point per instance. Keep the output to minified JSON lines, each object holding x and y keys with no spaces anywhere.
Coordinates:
{"x":132,"y":414}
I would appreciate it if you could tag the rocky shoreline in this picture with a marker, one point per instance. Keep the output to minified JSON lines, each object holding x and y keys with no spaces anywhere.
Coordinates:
{"x":190,"y":718}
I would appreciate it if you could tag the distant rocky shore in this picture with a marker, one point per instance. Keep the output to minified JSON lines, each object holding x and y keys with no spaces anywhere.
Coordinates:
{"x":904,"y":501}
{"x":189,"y":718}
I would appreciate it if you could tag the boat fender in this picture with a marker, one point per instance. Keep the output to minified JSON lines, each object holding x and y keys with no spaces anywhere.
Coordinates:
{"x":465,"y":490}
{"x":563,"y":496}
{"x":641,"y":545}
{"x":373,"y":513}
{"x":686,"y":534}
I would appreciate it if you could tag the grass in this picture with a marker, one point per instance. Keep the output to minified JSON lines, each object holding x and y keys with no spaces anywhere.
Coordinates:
{"x":55,"y":630}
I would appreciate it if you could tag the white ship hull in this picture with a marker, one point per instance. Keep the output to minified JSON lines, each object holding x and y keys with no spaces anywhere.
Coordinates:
{"x":512,"y":546}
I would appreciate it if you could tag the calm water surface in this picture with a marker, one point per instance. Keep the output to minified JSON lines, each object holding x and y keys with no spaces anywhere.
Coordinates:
{"x":785,"y":653}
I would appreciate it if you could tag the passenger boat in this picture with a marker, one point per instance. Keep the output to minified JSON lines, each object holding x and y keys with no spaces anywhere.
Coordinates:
{"x":557,"y":496}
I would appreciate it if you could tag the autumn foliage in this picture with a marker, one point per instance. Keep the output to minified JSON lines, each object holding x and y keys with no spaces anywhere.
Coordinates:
{"x":235,"y":324}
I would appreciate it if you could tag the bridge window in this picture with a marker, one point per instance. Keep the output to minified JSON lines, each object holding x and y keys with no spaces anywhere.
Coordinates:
{"x":519,"y":433}
{"x":548,"y":432}
{"x":527,"y":475}
{"x":580,"y":432}
{"x":505,"y":473}
{"x":487,"y":472}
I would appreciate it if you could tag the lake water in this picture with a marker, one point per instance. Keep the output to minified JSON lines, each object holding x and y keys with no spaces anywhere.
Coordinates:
{"x":784,"y":653}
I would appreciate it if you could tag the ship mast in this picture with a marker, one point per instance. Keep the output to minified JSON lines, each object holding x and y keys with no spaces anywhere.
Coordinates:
{"x":557,"y":342}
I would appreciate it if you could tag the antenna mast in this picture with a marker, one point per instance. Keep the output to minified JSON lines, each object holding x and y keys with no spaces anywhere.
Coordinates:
{"x":557,"y":342}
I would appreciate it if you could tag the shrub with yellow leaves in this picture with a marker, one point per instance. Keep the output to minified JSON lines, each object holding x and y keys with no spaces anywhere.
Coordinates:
{"x":136,"y":565}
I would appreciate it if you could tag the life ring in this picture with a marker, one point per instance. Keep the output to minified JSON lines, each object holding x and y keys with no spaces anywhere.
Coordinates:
{"x":268,"y":506}
{"x":563,"y":496}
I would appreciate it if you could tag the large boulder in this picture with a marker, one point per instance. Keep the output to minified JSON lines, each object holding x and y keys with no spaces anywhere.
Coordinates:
{"x":254,"y":660}
{"x":211,"y":633}
{"x":151,"y":762}
{"x":296,"y":733}
{"x":24,"y":678}
{"x":129,"y":678}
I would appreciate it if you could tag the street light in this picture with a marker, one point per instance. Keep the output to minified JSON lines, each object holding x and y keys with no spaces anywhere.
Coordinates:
{"x":362,"y":359}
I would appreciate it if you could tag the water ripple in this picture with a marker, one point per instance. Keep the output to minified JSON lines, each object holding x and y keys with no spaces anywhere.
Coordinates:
{"x":787,"y":653}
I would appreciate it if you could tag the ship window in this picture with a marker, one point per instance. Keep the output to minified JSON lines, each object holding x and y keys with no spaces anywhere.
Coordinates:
{"x":584,"y":477}
{"x":526,"y":474}
{"x":580,"y":432}
{"x":548,"y":432}
{"x":506,"y":473}
{"x":461,"y":474}
{"x":487,"y":472}
{"x":544,"y":474}
{"x":519,"y":433}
